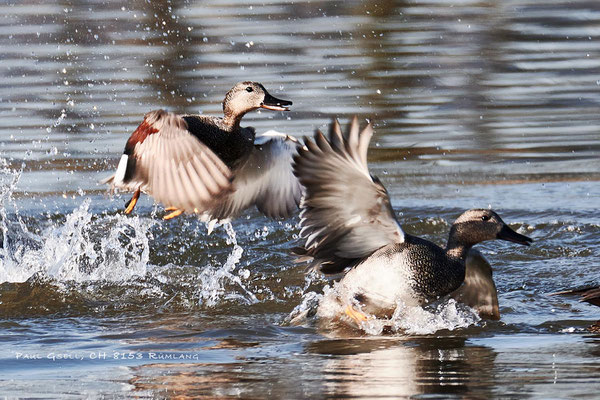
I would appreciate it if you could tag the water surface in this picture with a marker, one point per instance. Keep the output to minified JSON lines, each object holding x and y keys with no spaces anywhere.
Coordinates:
{"x":475,"y":103}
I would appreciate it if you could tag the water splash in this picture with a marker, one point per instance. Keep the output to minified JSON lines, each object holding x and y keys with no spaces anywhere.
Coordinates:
{"x":214,"y":280}
{"x":8,"y":182}
{"x":83,"y":248}
{"x":100,"y":252}
{"x":88,"y":248}
{"x":446,"y":314}
{"x":303,"y":312}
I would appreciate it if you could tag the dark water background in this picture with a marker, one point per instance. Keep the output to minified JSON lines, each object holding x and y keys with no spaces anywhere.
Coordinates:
{"x":476,"y":104}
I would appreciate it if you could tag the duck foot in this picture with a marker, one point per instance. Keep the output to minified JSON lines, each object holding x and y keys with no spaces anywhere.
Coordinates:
{"x":175,"y":213}
{"x":356,"y":316}
{"x":131,"y":203}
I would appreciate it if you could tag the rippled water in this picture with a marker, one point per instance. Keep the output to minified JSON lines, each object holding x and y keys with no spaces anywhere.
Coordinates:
{"x":476,"y":103}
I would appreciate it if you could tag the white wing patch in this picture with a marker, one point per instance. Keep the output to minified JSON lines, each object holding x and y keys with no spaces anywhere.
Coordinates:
{"x":121,"y":169}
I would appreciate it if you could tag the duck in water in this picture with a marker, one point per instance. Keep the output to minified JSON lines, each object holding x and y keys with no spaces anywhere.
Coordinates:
{"x":210,"y":165}
{"x":348,"y":224}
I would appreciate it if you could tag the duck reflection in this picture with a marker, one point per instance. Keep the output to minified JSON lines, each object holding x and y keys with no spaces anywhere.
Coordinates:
{"x":405,"y":367}
{"x":338,"y":368}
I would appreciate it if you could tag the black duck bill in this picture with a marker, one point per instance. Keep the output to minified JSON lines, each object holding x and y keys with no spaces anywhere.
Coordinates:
{"x":508,"y":234}
{"x":275,"y":104}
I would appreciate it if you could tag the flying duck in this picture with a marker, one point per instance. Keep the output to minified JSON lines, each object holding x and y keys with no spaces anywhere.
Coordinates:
{"x":347,"y":224}
{"x":210,"y":165}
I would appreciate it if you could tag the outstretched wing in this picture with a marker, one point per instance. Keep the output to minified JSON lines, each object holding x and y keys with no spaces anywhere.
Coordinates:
{"x":346,"y":213}
{"x":164,"y":160}
{"x":266,"y":179}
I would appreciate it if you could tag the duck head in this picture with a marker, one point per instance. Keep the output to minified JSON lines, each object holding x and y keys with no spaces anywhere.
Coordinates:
{"x":478,"y":225}
{"x":249,"y":96}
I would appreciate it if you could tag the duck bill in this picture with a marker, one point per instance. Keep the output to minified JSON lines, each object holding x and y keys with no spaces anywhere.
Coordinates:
{"x":508,"y":234}
{"x":275,"y":104}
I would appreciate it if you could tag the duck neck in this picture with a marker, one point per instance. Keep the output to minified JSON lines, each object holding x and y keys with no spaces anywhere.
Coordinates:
{"x":457,"y":248}
{"x":232,"y":120}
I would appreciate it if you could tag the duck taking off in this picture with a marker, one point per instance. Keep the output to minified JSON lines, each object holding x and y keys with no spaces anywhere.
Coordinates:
{"x":211,"y":165}
{"x":348,"y":223}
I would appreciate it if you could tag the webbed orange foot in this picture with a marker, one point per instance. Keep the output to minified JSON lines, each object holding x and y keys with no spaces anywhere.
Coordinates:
{"x":356,"y":316}
{"x":175,"y":213}
{"x":131,"y":203}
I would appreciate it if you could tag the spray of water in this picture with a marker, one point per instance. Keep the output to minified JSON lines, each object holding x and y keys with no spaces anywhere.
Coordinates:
{"x":214,"y":280}
{"x":83,"y":247}
{"x":8,"y":182}
{"x":415,"y":320}
{"x":327,"y":310}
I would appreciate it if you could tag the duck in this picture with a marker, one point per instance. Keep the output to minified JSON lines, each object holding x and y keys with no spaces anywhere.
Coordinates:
{"x":589,"y":294}
{"x":209,"y":165}
{"x":348,"y":228}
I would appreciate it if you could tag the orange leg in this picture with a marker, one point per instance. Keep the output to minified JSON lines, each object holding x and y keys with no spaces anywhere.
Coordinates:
{"x":356,"y":316}
{"x":131,"y":204}
{"x":175,"y":213}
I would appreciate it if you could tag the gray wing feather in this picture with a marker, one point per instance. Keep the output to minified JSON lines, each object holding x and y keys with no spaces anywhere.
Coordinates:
{"x":266,"y":179}
{"x":346,"y":213}
{"x":176,"y":168}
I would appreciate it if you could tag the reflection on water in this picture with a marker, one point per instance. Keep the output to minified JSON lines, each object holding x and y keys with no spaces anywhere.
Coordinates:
{"x":380,"y":368}
{"x":475,"y":103}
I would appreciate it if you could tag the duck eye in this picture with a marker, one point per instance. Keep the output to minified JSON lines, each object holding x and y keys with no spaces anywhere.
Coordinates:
{"x":485,"y":218}
{"x":249,"y":89}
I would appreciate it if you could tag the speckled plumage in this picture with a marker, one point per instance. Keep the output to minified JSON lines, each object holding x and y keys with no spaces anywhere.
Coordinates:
{"x":432,"y":272}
